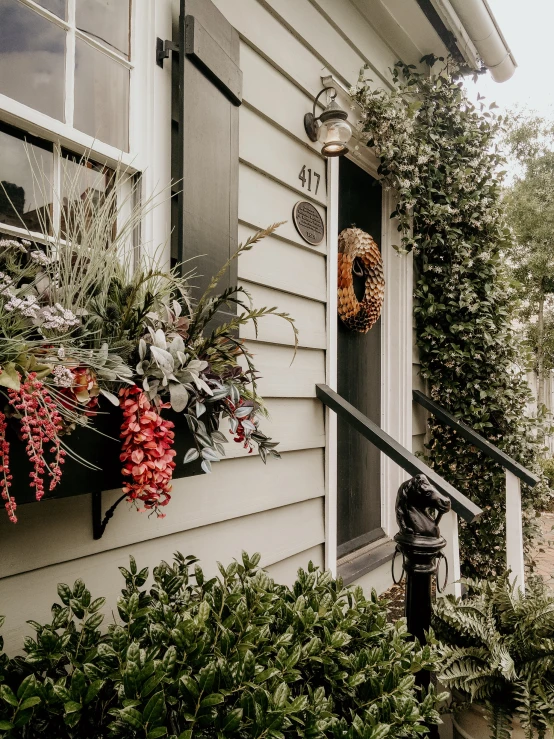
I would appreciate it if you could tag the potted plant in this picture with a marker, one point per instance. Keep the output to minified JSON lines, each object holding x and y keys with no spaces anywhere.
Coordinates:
{"x":111,"y":375}
{"x":496,"y":648}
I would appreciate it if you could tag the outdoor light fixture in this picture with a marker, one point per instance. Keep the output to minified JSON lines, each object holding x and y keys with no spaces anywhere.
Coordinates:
{"x":331,"y":127}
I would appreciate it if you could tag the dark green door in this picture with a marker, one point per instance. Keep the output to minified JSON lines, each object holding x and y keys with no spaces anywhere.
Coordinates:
{"x":359,"y":380}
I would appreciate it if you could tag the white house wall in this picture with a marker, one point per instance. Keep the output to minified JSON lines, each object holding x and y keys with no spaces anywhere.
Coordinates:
{"x":278,"y":509}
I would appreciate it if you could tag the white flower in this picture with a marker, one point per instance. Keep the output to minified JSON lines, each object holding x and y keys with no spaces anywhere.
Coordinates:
{"x":12,"y":244}
{"x":27,"y":306}
{"x":63,"y":377}
{"x":56,"y":318}
{"x":40,"y":257}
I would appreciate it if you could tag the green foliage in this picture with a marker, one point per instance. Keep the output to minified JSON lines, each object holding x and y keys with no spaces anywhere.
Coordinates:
{"x":496,"y":649}
{"x":440,"y":155}
{"x":236,"y":655}
{"x":547,"y":466}
{"x":529,"y":205}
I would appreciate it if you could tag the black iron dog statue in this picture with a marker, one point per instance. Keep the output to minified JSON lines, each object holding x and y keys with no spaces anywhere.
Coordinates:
{"x":416,"y":498}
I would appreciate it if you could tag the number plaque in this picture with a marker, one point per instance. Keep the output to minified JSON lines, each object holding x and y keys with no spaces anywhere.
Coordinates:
{"x":308,"y":222}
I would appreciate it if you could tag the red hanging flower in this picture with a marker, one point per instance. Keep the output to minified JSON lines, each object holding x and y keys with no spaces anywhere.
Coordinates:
{"x":6,"y":481}
{"x":147,"y":453}
{"x":40,"y":425}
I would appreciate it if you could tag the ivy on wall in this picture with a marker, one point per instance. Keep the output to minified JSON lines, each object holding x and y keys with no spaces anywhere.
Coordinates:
{"x":439,"y":153}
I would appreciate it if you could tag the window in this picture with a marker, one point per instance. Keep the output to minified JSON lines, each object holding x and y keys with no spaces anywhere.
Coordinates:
{"x":38,"y":182}
{"x":70,"y":59}
{"x":20,"y":199}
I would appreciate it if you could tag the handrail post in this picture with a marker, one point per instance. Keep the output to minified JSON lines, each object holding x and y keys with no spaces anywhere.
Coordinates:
{"x":514,"y":530}
{"x":449,"y":529}
{"x":420,"y":543}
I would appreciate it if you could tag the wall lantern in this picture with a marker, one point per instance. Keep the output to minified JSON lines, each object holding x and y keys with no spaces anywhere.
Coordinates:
{"x":331,"y":127}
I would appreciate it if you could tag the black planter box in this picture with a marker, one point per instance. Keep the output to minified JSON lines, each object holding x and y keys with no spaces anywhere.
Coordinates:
{"x":101,"y":451}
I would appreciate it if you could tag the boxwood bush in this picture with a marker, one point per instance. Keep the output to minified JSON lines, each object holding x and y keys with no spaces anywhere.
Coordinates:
{"x":232,"y":656}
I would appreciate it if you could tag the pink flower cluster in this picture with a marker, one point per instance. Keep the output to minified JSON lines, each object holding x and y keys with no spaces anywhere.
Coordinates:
{"x":6,"y":481}
{"x":40,"y":426}
{"x":147,"y":454}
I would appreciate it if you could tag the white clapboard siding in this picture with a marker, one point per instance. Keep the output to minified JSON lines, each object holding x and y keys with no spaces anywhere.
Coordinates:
{"x":263,"y":201}
{"x":296,"y":423}
{"x":273,"y":41}
{"x":285,"y":572}
{"x":276,"y":263}
{"x":281,"y":377}
{"x":268,"y":149}
{"x":277,"y":534}
{"x":309,"y":318}
{"x":60,"y":530}
{"x":379,"y":17}
{"x":315,"y":32}
{"x":265,"y":88}
{"x":347,"y":20}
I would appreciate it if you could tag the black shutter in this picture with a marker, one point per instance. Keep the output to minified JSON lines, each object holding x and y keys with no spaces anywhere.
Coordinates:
{"x":210,"y":93}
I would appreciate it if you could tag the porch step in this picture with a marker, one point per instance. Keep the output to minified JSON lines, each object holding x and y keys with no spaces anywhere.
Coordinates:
{"x":353,"y":566}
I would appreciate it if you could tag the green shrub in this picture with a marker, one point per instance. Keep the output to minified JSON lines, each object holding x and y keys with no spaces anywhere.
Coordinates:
{"x":236,"y":655}
{"x":497,"y":650}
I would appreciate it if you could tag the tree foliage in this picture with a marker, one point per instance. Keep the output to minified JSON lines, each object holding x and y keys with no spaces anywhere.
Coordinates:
{"x":440,"y":154}
{"x":530,"y":210}
{"x":233,"y":656}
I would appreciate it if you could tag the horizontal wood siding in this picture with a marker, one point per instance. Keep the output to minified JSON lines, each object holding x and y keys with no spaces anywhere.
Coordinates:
{"x":235,"y":489}
{"x":278,"y":534}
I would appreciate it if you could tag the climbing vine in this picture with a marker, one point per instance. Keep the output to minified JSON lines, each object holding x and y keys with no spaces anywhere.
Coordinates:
{"x":440,"y":154}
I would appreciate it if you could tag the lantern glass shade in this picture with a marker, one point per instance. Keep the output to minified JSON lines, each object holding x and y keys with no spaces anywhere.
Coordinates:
{"x":334,"y":134}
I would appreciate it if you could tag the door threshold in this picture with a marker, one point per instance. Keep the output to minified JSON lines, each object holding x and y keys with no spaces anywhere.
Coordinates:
{"x":356,"y":564}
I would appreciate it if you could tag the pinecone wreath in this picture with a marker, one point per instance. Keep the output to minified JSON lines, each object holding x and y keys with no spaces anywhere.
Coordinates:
{"x":358,"y":252}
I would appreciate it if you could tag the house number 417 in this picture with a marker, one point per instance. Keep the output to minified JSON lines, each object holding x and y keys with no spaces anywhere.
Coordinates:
{"x":303,"y":179}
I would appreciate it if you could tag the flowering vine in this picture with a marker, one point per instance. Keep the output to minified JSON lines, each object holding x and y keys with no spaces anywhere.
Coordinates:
{"x":439,"y":153}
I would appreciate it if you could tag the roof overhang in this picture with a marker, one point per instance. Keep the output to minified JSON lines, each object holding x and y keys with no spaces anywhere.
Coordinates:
{"x":469,"y":30}
{"x":466,"y":29}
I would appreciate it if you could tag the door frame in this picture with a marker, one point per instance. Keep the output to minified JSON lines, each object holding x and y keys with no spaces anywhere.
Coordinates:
{"x":396,"y":351}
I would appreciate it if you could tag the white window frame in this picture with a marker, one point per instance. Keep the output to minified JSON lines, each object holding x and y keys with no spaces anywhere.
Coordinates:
{"x":149,"y":115}
{"x":48,"y":128}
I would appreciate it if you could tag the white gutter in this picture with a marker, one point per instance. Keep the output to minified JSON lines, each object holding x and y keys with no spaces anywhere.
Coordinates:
{"x":482,"y":28}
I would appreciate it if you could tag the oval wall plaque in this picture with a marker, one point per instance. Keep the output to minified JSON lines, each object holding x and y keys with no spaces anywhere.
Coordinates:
{"x":308,"y":222}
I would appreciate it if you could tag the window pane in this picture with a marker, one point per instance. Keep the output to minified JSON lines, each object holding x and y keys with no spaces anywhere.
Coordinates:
{"x":26,"y":172}
{"x":107,"y":21}
{"x":58,"y":7}
{"x":84,"y":186}
{"x":32,"y":58}
{"x":101,"y":96}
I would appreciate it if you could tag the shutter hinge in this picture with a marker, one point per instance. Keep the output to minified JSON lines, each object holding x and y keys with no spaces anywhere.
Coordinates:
{"x":162,"y":50}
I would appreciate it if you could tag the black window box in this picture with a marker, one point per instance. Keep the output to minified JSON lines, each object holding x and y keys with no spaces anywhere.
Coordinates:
{"x":95,"y":448}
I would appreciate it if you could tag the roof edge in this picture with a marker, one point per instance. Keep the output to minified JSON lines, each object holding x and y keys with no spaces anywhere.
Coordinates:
{"x":482,"y":28}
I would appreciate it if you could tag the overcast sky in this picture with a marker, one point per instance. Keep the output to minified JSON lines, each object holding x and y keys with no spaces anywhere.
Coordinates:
{"x":528,"y":26}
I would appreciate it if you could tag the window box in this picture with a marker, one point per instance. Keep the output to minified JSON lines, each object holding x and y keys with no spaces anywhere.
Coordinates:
{"x":77,"y":479}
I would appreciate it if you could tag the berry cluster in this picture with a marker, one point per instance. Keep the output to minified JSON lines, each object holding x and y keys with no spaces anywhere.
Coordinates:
{"x":6,"y":481}
{"x":40,"y":427}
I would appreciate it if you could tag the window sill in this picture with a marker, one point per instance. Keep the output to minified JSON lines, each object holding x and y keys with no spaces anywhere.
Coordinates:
{"x":367,"y":559}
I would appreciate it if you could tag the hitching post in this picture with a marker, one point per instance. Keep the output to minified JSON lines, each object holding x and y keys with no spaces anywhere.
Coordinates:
{"x":420,"y":544}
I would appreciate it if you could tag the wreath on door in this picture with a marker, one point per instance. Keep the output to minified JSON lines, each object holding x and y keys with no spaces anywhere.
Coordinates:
{"x":359,"y":255}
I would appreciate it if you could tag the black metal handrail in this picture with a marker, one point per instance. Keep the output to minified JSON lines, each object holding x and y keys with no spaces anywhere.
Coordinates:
{"x":467,"y":433}
{"x":395,"y":451}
